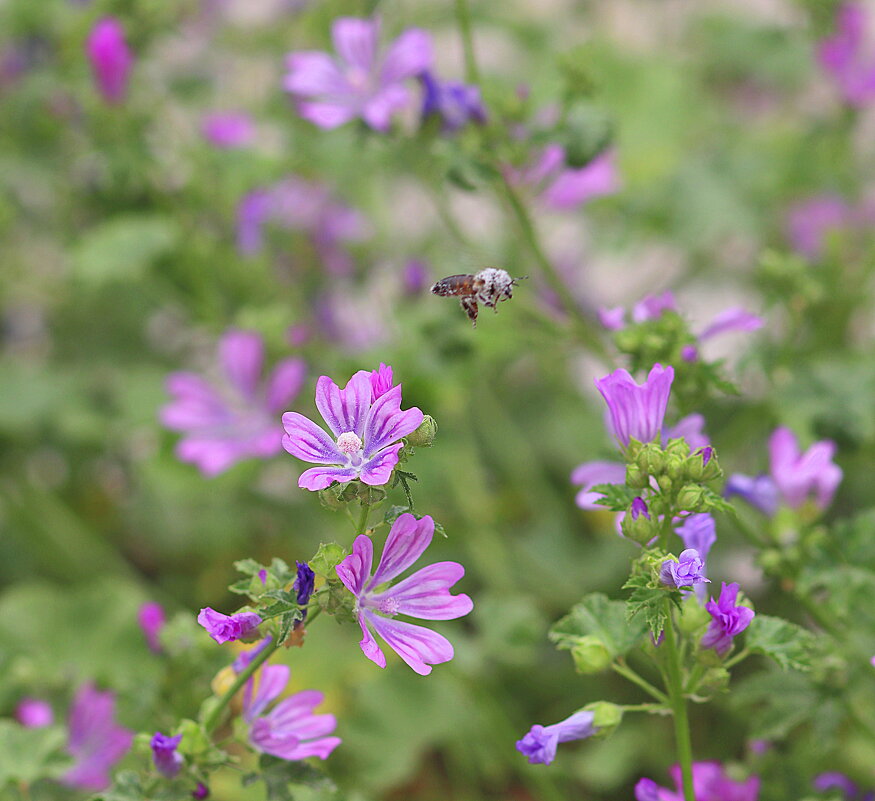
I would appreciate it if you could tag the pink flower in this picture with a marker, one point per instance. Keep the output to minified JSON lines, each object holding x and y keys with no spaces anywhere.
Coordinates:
{"x":290,"y":730}
{"x":846,"y":58}
{"x":361,"y":81}
{"x":228,"y":129}
{"x":425,"y":594}
{"x":637,"y":411}
{"x":800,"y":475}
{"x":110,"y":59}
{"x":34,"y":713}
{"x":237,"y":418}
{"x":368,"y":433}
{"x":151,"y":619}
{"x":227,"y":628}
{"x":710,"y":783}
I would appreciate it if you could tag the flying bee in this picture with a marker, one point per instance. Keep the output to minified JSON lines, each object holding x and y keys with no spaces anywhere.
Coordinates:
{"x":488,"y":287}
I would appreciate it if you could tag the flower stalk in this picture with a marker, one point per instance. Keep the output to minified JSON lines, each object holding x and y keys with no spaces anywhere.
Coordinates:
{"x":678,"y":704}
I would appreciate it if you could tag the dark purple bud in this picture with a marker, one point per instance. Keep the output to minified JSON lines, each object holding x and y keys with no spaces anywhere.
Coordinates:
{"x":201,"y":791}
{"x":707,"y":453}
{"x":304,"y":583}
{"x":164,"y":754}
{"x":833,"y":780}
{"x":262,"y":574}
{"x":639,"y":507}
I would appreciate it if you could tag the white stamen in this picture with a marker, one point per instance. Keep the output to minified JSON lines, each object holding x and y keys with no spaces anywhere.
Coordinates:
{"x":349,"y":443}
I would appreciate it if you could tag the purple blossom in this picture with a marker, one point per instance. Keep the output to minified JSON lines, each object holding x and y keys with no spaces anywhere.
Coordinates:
{"x":164,"y":754}
{"x":689,"y":428}
{"x":291,"y":730}
{"x":734,"y":318}
{"x":638,"y":508}
{"x":652,"y":307}
{"x":799,"y":475}
{"x":381,"y":381}
{"x":235,"y":418}
{"x":759,"y":491}
{"x":589,"y":474}
{"x":698,"y":532}
{"x":424,"y":594}
{"x":367,"y":433}
{"x":455,"y":103}
{"x":95,"y":741}
{"x":812,"y":221}
{"x":727,"y":619}
{"x":613,"y":319}
{"x":34,"y":713}
{"x":110,"y":59}
{"x":833,"y":780}
{"x":710,"y":783}
{"x":298,"y":205}
{"x":685,"y":572}
{"x":539,"y":744}
{"x":845,"y":56}
{"x":151,"y":619}
{"x":226,"y":628}
{"x":228,"y":129}
{"x":245,"y":657}
{"x":636,"y":411}
{"x":361,"y":81}
{"x":415,"y":277}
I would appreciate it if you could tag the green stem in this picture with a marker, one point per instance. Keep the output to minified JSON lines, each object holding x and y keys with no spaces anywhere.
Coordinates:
{"x":627,"y":673}
{"x":213,"y":718}
{"x":653,"y":709}
{"x":363,"y":519}
{"x":463,"y":18}
{"x":741,"y":655}
{"x":679,"y":707}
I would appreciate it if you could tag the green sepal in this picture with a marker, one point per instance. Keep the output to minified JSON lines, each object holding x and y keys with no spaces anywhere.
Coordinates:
{"x":326,"y":558}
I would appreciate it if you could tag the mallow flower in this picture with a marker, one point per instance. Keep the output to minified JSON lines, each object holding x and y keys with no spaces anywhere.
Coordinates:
{"x":95,"y":741}
{"x":710,"y":783}
{"x":686,"y":571}
{"x":236,"y":417}
{"x":846,"y":56}
{"x":539,"y":743}
{"x":456,"y":104}
{"x":698,"y":533}
{"x":424,"y":594}
{"x":227,"y":628}
{"x":727,"y":619}
{"x":291,"y":729}
{"x":636,"y":411}
{"x":366,"y":434}
{"x":165,"y":757}
{"x":110,"y":58}
{"x":362,"y":80}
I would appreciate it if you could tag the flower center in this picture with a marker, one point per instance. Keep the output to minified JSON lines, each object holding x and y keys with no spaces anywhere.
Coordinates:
{"x":349,"y":443}
{"x":388,"y":606}
{"x":359,"y":79}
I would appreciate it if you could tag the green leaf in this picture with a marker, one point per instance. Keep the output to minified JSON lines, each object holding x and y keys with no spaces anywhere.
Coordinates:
{"x":646,"y":603}
{"x":278,"y":774}
{"x":284,"y":601}
{"x":248,"y":567}
{"x":329,"y":555}
{"x":30,"y":754}
{"x":598,"y":616}
{"x":618,"y":497}
{"x":125,"y":787}
{"x":789,"y":645}
{"x":775,"y":703}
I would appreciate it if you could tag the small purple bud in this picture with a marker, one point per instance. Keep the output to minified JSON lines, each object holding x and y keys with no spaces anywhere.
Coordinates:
{"x":298,"y":335}
{"x":657,"y":641}
{"x":33,"y":713}
{"x":262,"y":574}
{"x":707,"y":453}
{"x":201,"y":791}
{"x":639,"y":507}
{"x":226,"y":628}
{"x":415,"y":277}
{"x":304,"y":583}
{"x":833,"y":780}
{"x":690,"y":353}
{"x":381,"y":381}
{"x":228,"y":130}
{"x":164,"y":754}
{"x":759,"y":747}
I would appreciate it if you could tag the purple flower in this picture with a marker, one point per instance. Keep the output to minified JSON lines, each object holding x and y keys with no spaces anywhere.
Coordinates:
{"x":638,"y":508}
{"x":697,"y":532}
{"x":727,"y":619}
{"x":652,"y":307}
{"x":589,"y":474}
{"x":539,"y":744}
{"x":361,"y":81}
{"x":200,"y":792}
{"x":226,"y":628}
{"x":245,"y":657}
{"x":367,"y":433}
{"x":845,"y":57}
{"x":613,"y":319}
{"x":110,"y":59}
{"x":236,"y":418}
{"x":811,"y":222}
{"x":759,"y":491}
{"x":381,"y":381}
{"x":95,"y":741}
{"x":164,"y":754}
{"x":34,"y":713}
{"x":415,"y":277}
{"x":290,"y":730}
{"x":689,"y":428}
{"x":151,"y":619}
{"x":636,"y":412}
{"x":455,"y":103}
{"x":228,"y":129}
{"x":732,"y":319}
{"x":710,"y":783}
{"x":304,"y":583}
{"x":833,"y":780}
{"x":799,"y":475}
{"x":685,"y":572}
{"x":425,"y":594}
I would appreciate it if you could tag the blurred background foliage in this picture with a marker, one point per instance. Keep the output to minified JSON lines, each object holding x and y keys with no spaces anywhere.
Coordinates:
{"x":120,"y":264}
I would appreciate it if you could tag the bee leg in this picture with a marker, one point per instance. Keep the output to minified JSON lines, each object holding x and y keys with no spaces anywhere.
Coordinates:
{"x":471,"y":309}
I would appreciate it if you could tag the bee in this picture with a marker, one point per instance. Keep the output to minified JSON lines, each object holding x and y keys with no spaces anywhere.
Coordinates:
{"x":488,"y":287}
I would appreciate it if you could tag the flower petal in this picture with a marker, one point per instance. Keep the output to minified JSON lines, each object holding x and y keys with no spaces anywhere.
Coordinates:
{"x":241,"y":354}
{"x":354,"y":570}
{"x":386,"y":423}
{"x":318,"y":478}
{"x":409,"y":55}
{"x":307,"y":441}
{"x":272,"y":681}
{"x":369,"y":645}
{"x":313,"y":73}
{"x":328,"y":115}
{"x":406,"y":542}
{"x":379,"y":108}
{"x":418,"y":646}
{"x":732,"y":319}
{"x":345,"y":409}
{"x":378,"y":469}
{"x":355,"y":41}
{"x":285,"y":383}
{"x":426,"y":593}
{"x":209,"y":454}
{"x":591,"y":473}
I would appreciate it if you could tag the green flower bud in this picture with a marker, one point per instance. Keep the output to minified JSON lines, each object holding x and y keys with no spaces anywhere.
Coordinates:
{"x":636,"y":478}
{"x":606,"y":718}
{"x":771,"y":560}
{"x":678,"y":447}
{"x":665,"y":483}
{"x":703,"y":465}
{"x":424,"y":436}
{"x":590,"y":655}
{"x":674,"y":466}
{"x":715,"y":680}
{"x":637,"y":524}
{"x":691,"y":498}
{"x":650,"y":459}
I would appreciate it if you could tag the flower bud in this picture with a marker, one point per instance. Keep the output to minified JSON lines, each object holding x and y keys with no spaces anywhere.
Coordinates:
{"x":674,"y":466}
{"x":330,"y":499}
{"x":703,"y":465}
{"x":650,"y":459}
{"x":606,"y":718}
{"x":678,"y":447}
{"x":636,"y":478}
{"x":771,"y":560}
{"x":665,"y":483}
{"x":424,"y":436}
{"x":691,"y":498}
{"x":590,"y":655}
{"x":637,"y":524}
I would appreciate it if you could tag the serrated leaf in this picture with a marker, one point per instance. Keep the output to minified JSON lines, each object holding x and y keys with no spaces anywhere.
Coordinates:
{"x":248,"y":567}
{"x":240,"y":587}
{"x":598,"y":616}
{"x":789,"y":645}
{"x":617,"y":497}
{"x":288,"y":623}
{"x":714,"y":502}
{"x":125,"y":787}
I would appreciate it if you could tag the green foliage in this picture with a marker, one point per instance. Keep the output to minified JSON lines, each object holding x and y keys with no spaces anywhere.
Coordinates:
{"x":597,"y":616}
{"x":30,"y":754}
{"x":617,"y":497}
{"x":327,"y":557}
{"x":789,"y":645}
{"x":280,"y":777}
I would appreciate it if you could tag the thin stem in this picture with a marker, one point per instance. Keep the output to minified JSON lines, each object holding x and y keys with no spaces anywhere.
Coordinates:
{"x":463,"y":18}
{"x":363,"y":519}
{"x":652,"y":709}
{"x":741,"y":655}
{"x":213,"y":718}
{"x":679,"y":707}
{"x":627,"y":673}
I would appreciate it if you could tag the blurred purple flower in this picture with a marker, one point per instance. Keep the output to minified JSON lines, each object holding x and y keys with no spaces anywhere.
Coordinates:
{"x":415,"y":277}
{"x":381,"y":381}
{"x":636,"y":411}
{"x":727,"y":619}
{"x":236,"y":419}
{"x":589,"y":474}
{"x":697,"y":532}
{"x":361,"y":81}
{"x":200,"y":792}
{"x":110,"y":59}
{"x":34,"y":713}
{"x":613,"y":319}
{"x":368,"y":433}
{"x":846,"y":57}
{"x":164,"y":754}
{"x":290,"y":730}
{"x":652,"y":307}
{"x":298,"y":205}
{"x":151,"y":619}
{"x":455,"y":103}
{"x":690,"y":429}
{"x":540,"y":743}
{"x":833,"y":780}
{"x":685,"y":572}
{"x":96,"y":742}
{"x":228,"y":129}
{"x":424,"y":594}
{"x":710,"y":783}
{"x":245,"y":657}
{"x":227,"y":628}
{"x":759,"y":491}
{"x":732,"y":319}
{"x":810,"y":223}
